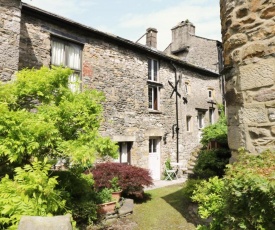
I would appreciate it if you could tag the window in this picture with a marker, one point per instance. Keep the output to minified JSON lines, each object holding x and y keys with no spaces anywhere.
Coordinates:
{"x":153,"y":145}
{"x":124,"y":152}
{"x":68,"y":54}
{"x":153,"y":70}
{"x":187,"y":88}
{"x":153,"y":97}
{"x":153,"y":85}
{"x":211,"y":115}
{"x":210,"y":93}
{"x":188,"y":123}
{"x":200,"y":120}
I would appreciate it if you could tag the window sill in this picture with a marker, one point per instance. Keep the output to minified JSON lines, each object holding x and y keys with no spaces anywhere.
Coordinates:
{"x":155,"y":111}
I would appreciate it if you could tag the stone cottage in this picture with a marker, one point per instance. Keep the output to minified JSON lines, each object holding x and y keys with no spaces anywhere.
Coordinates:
{"x":156,"y":102}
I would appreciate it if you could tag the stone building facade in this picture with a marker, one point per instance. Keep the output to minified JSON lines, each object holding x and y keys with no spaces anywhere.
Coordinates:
{"x":248,"y":32}
{"x":140,"y":112}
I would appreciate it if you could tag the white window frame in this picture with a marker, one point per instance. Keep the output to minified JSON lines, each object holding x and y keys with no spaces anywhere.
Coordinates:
{"x":187,"y":88}
{"x":75,"y":63}
{"x":153,"y":70}
{"x":200,"y":120}
{"x":153,"y":97}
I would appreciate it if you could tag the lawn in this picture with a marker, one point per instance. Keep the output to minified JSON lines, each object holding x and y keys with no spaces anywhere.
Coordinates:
{"x":165,"y":209}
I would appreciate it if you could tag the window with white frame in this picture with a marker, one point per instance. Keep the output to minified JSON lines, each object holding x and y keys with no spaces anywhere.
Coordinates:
{"x":188,"y":123}
{"x":153,"y":84}
{"x":210,"y":92}
{"x":68,"y":54}
{"x":200,"y":120}
{"x":211,"y":115}
{"x":124,"y":152}
{"x":153,"y":67}
{"x":153,"y":145}
{"x":187,"y":87}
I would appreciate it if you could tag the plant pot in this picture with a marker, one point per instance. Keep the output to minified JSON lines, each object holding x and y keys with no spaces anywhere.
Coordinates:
{"x":106,"y":208}
{"x":116,"y":196}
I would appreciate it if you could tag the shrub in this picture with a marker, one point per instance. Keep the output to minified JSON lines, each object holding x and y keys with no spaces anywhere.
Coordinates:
{"x":131,"y":179}
{"x":211,"y":163}
{"x":31,"y":192}
{"x":80,"y":195}
{"x":189,"y":187}
{"x":244,"y":198}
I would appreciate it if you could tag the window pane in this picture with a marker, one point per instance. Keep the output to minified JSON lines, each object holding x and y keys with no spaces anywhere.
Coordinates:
{"x":149,"y":69}
{"x":74,"y":82}
{"x":58,"y":53}
{"x":155,"y":70}
{"x":155,"y":96}
{"x":150,"y":145}
{"x":154,"y":145}
{"x":73,"y":56}
{"x":150,"y":98}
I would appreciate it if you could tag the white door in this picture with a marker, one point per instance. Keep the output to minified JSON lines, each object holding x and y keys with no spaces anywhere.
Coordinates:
{"x":154,"y":158}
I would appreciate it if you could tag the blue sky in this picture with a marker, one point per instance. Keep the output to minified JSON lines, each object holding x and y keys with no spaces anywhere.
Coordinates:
{"x":130,"y":18}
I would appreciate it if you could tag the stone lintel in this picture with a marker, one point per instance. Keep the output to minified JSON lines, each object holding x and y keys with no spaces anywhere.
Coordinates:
{"x":124,"y":138}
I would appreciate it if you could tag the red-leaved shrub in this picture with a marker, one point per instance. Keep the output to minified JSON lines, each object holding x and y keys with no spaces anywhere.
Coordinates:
{"x":131,"y":179}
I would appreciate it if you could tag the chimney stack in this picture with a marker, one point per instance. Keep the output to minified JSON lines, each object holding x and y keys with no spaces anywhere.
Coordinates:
{"x":151,"y":37}
{"x":181,"y":35}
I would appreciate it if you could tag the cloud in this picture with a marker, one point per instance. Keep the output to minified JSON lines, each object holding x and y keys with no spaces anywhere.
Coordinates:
{"x":70,"y":9}
{"x":202,"y":13}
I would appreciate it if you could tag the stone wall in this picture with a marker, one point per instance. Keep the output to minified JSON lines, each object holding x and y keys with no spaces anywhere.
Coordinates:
{"x":9,"y":38}
{"x":121,"y":73}
{"x":248,"y":32}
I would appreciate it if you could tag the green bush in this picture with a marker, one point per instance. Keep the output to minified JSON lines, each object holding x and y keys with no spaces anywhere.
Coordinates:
{"x":189,"y":188}
{"x":217,"y":131}
{"x":31,"y":193}
{"x":78,"y":190}
{"x":211,"y":163}
{"x":244,"y":198}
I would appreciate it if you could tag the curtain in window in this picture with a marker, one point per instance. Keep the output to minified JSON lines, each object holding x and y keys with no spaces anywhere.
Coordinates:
{"x":58,"y":53}
{"x":74,"y":82}
{"x":73,"y":56}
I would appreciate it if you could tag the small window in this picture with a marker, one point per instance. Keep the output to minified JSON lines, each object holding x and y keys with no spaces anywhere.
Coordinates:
{"x":210,"y":94}
{"x":153,"y":66}
{"x":68,"y":54}
{"x":153,"y":93}
{"x":200,"y":120}
{"x":211,"y":115}
{"x":188,"y":124}
{"x":187,"y":88}
{"x":153,"y":145}
{"x":124,"y":152}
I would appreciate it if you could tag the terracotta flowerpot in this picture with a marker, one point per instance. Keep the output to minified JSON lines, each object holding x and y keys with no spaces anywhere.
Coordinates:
{"x":106,"y":208}
{"x":116,"y":196}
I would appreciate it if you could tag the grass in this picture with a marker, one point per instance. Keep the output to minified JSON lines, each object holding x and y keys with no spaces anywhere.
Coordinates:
{"x":166,"y":208}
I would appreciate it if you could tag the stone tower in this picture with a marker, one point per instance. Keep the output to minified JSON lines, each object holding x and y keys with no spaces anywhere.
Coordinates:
{"x":248,"y":34}
{"x":9,"y":38}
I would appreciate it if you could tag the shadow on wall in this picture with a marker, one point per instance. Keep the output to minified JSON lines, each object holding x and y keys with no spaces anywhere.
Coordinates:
{"x":27,"y":56}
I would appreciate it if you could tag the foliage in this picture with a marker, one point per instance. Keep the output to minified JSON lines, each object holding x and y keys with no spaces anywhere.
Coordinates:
{"x":77,"y":188}
{"x":104,"y":195}
{"x":217,"y":131}
{"x":131,"y":179}
{"x":40,"y":116}
{"x":246,"y":196}
{"x":189,"y":187}
{"x":115,"y":185}
{"x":211,"y":163}
{"x":31,"y":192}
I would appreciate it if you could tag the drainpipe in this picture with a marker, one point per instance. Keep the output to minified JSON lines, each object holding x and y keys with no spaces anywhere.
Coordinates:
{"x":177,"y":111}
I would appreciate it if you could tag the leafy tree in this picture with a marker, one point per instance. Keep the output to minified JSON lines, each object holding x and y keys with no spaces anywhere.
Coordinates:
{"x":40,"y":117}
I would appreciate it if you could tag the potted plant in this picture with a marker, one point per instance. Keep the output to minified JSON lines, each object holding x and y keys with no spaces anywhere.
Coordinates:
{"x":116,"y":189}
{"x":106,"y":203}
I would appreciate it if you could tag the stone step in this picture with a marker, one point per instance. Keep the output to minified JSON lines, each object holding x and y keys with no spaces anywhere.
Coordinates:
{"x":126,"y":208}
